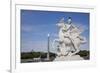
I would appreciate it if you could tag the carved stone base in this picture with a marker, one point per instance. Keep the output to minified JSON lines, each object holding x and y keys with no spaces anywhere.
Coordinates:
{"x":65,"y":58}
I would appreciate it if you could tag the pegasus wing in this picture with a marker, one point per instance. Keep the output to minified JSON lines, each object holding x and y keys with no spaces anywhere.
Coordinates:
{"x":74,"y":31}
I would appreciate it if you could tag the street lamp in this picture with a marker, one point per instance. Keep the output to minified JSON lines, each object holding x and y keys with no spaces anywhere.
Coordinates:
{"x":48,"y":47}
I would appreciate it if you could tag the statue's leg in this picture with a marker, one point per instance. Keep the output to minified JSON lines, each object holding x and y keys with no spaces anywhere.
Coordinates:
{"x":67,"y":50}
{"x":53,"y":46}
{"x":70,"y":51}
{"x":58,"y":54}
{"x":76,"y":49}
{"x":75,"y":44}
{"x":59,"y":50}
{"x":64,"y":50}
{"x":54,"y":41}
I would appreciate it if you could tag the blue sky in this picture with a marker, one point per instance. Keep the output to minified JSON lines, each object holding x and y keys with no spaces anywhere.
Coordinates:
{"x":35,"y":25}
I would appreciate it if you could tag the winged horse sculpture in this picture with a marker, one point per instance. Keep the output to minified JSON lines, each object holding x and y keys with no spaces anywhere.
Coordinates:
{"x":69,"y":38}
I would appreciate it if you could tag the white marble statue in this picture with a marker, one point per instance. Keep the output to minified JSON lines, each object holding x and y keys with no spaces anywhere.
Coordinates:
{"x":69,"y":39}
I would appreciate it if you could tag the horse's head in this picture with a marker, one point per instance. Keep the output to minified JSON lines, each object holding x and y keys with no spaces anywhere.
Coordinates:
{"x":60,"y":25}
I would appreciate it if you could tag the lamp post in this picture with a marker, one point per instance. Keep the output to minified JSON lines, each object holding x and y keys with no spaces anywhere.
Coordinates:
{"x":48,"y":47}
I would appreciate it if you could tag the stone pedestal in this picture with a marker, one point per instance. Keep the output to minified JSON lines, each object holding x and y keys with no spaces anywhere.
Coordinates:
{"x":65,"y":58}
